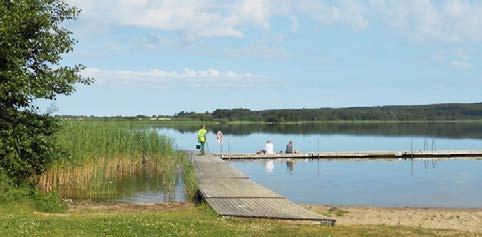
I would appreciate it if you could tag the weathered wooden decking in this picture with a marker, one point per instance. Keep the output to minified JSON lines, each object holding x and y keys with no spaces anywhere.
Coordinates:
{"x":360,"y":155}
{"x":231,"y":193}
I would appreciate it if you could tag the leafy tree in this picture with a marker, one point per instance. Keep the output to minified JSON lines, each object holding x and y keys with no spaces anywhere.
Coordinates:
{"x":32,"y":42}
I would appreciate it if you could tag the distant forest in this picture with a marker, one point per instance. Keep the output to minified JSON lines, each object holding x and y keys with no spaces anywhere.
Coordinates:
{"x":435,"y":112}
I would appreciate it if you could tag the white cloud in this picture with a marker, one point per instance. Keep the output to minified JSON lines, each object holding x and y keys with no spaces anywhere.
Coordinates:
{"x":448,"y":20}
{"x":445,"y":20}
{"x":294,"y":24}
{"x":456,"y":58}
{"x":345,"y":12}
{"x":208,"y":18}
{"x":266,"y":47}
{"x":460,"y":64}
{"x":187,"y":77}
{"x":194,"y":18}
{"x":255,"y":11}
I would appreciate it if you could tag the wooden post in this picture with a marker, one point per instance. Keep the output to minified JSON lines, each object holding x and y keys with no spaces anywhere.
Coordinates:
{"x":318,"y":153}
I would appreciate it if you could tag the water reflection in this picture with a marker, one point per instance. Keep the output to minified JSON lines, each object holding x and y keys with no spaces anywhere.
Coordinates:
{"x":120,"y":179}
{"x":334,"y":137}
{"x":290,"y":165}
{"x":388,"y":183}
{"x":470,"y":130}
{"x":269,"y":166}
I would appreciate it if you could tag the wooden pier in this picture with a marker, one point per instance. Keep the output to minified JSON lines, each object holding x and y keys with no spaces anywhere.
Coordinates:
{"x":232,"y":194}
{"x":361,"y":155}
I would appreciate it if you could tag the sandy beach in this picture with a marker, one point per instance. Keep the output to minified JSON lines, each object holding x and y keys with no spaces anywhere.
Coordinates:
{"x":431,"y":218}
{"x":461,"y":219}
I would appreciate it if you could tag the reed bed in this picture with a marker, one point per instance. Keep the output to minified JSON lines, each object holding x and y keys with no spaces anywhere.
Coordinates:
{"x":105,"y":160}
{"x":89,"y":140}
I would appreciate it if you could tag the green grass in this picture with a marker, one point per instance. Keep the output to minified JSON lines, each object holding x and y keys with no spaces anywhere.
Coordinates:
{"x":18,"y":220}
{"x":336,"y":213}
{"x":26,"y":195}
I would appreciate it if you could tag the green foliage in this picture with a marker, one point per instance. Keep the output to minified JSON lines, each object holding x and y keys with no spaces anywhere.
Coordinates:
{"x":12,"y":193}
{"x":8,"y":192}
{"x":26,"y":147}
{"x":32,"y":41}
{"x":436,"y":112}
{"x":49,"y":202}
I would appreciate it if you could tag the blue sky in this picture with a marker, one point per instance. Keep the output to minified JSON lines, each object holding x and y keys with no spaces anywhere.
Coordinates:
{"x":161,"y":57}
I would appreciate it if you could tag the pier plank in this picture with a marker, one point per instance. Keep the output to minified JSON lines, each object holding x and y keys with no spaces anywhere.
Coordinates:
{"x":208,"y":168}
{"x":444,"y":154}
{"x":232,"y":194}
{"x":272,"y":208}
{"x":234,"y":188}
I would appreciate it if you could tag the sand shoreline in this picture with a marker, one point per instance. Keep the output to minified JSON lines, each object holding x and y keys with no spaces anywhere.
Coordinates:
{"x":460,"y":219}
{"x":464,"y":219}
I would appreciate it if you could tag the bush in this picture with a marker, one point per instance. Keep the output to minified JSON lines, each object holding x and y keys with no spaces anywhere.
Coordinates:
{"x":49,"y":202}
{"x":26,"y":145}
{"x":24,"y":194}
{"x":4,"y":186}
{"x":11,"y":193}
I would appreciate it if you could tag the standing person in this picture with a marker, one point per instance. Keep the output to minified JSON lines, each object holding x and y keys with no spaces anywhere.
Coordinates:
{"x":201,"y":137}
{"x":269,"y":148}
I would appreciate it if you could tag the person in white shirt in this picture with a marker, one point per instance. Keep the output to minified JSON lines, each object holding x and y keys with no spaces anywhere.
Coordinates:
{"x":269,"y":148}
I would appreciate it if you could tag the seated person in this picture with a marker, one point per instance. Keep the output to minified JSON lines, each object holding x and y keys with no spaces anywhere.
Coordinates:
{"x":289,"y":148}
{"x":269,"y":148}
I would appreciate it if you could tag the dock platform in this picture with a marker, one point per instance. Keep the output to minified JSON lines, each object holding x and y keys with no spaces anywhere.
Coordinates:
{"x":442,"y":154}
{"x":232,"y":194}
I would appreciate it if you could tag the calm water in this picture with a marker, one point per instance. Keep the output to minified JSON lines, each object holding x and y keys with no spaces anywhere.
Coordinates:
{"x":335,"y":137}
{"x":150,"y":192}
{"x":428,"y":183}
{"x":456,"y":183}
{"x":140,"y":185}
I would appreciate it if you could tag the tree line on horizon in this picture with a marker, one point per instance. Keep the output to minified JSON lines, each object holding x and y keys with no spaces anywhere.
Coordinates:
{"x":435,"y":112}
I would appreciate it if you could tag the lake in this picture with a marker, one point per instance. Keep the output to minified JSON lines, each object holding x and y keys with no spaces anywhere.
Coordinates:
{"x":399,"y":183}
{"x":425,"y":183}
{"x":249,"y":138}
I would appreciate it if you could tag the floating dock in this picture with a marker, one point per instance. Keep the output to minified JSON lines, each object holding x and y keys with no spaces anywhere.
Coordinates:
{"x":360,"y":155}
{"x":232,"y":194}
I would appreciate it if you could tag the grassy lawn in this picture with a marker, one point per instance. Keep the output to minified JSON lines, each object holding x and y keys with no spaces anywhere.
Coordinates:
{"x":18,"y":220}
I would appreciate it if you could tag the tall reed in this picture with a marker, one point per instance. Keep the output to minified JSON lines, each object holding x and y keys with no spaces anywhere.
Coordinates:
{"x":89,"y":140}
{"x":109,"y":159}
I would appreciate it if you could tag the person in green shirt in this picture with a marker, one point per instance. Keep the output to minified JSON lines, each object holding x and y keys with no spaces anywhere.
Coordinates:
{"x":201,"y":137}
